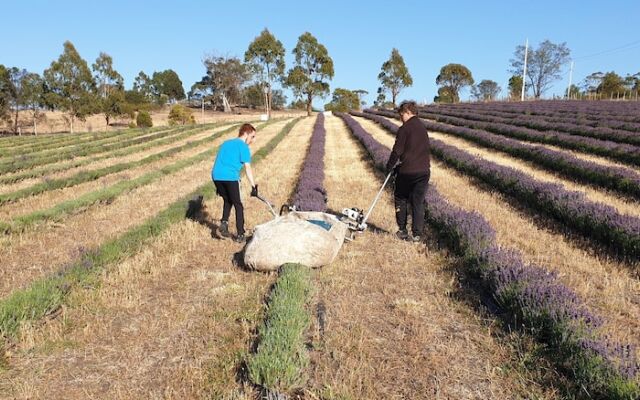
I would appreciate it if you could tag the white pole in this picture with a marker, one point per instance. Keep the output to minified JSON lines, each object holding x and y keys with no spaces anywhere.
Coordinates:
{"x":524,"y":70}
{"x":570,"y":78}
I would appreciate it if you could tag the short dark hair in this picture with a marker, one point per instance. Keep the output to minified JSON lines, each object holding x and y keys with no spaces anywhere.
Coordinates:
{"x":408,"y":106}
{"x":246,"y":129}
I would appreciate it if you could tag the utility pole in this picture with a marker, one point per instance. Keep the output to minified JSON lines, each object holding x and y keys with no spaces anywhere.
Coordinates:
{"x":524,"y":70}
{"x":570,"y":78}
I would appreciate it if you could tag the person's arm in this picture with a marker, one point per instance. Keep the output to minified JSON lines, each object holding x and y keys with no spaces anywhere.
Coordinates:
{"x":249,"y":171}
{"x":398,"y":149}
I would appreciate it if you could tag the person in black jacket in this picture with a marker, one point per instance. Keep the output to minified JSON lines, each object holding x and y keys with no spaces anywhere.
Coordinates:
{"x":412,"y":150}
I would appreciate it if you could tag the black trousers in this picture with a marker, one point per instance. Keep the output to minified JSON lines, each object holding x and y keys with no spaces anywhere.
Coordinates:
{"x":410,"y":191}
{"x":230,"y":193}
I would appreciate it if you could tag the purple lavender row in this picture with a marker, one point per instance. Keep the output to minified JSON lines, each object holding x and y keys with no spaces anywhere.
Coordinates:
{"x":532,"y":297}
{"x":310,"y":194}
{"x":620,"y":111}
{"x":592,"y":119}
{"x":597,"y":221}
{"x":622,"y":152}
{"x":619,"y":179}
{"x":539,"y":124}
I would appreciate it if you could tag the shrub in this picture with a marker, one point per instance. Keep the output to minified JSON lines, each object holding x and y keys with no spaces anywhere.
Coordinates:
{"x":143,"y":120}
{"x":180,"y":114}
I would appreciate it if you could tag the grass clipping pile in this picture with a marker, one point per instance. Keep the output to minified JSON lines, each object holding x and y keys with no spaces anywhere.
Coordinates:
{"x":309,"y":238}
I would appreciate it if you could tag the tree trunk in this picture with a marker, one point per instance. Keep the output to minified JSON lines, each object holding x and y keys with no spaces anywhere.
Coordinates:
{"x":71,"y":124}
{"x":309,"y":100}
{"x":269,"y":103}
{"x":15,"y":122}
{"x":225,"y":103}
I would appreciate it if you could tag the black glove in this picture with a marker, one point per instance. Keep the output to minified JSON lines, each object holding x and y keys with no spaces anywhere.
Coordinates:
{"x":254,"y":191}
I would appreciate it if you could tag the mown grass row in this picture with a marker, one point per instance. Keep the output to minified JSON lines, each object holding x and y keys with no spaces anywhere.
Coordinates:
{"x":530,"y":297}
{"x":105,"y":195}
{"x":46,"y":295}
{"x":281,"y":358}
{"x":86,"y":176}
{"x":27,"y":161}
{"x":622,"y":180}
{"x":54,"y":143}
{"x":598,"y":222}
{"x":26,"y":140}
{"x":52,"y":169}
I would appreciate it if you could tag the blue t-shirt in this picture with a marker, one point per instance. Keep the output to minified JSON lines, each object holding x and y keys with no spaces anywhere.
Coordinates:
{"x":232,"y":155}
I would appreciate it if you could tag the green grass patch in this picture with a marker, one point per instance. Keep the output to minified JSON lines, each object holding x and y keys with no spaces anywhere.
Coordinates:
{"x":76,"y":140}
{"x":51,"y":169}
{"x":29,"y":161}
{"x":105,"y":195}
{"x":86,"y":176}
{"x":281,"y":357}
{"x":48,"y":294}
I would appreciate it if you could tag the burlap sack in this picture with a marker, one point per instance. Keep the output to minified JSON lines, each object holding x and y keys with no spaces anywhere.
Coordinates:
{"x":292,"y":239}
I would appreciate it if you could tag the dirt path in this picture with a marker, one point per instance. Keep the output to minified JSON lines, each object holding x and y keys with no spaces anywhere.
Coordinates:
{"x":604,"y":284}
{"x":171,"y":322}
{"x":37,"y":252}
{"x":392,"y":331}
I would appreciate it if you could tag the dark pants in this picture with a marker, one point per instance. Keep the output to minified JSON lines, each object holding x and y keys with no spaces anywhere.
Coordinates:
{"x":230,"y":193}
{"x":410,"y":190}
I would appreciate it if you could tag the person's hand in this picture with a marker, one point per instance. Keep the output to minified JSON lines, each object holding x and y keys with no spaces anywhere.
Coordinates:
{"x":254,"y":191}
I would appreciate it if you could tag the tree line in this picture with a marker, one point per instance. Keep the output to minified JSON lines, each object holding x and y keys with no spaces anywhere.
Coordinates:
{"x":71,"y":86}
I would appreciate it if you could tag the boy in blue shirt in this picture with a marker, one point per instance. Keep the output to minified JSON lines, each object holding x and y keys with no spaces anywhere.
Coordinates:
{"x":234,"y":154}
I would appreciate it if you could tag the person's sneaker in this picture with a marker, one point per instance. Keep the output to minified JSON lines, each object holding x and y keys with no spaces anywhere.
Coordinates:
{"x":416,"y":238}
{"x":402,"y":234}
{"x":240,"y":238}
{"x":224,"y":228}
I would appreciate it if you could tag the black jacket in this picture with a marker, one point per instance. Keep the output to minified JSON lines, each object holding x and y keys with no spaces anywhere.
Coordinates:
{"x":411,"y":148}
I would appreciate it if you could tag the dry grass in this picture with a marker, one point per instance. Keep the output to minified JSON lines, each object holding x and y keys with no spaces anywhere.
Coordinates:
{"x":603,"y":283}
{"x":171,"y":322}
{"x":591,"y":157}
{"x":50,"y":198}
{"x":105,"y":162}
{"x":623,"y":205}
{"x":392,"y":330}
{"x":38,"y":252}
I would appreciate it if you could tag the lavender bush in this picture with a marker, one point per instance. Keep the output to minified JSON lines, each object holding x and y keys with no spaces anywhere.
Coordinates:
{"x":310,"y":194}
{"x":600,"y":128}
{"x":622,"y":152}
{"x":600,"y":113}
{"x":531,"y":296}
{"x":622,"y":180}
{"x":597,"y":221}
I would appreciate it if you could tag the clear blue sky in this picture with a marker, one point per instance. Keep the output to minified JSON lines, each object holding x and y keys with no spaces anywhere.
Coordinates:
{"x":157,"y":35}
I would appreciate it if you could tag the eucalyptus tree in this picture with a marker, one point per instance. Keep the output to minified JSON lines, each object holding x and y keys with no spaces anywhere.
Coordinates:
{"x":69,"y":85}
{"x":394,"y":75}
{"x":312,"y":70}
{"x":265,"y":58}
